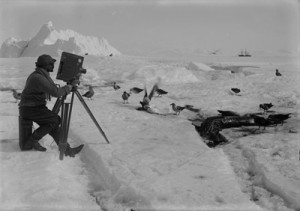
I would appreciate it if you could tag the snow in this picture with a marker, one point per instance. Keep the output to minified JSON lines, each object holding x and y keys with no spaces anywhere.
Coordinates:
{"x":168,"y":74}
{"x":156,"y":162}
{"x":12,"y":48}
{"x":51,"y":41}
{"x":199,"y":66}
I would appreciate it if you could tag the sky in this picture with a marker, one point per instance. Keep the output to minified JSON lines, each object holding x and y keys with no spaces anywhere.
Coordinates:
{"x":148,"y":26}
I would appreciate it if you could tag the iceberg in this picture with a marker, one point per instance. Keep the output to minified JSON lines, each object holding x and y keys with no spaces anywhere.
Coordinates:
{"x":51,"y":41}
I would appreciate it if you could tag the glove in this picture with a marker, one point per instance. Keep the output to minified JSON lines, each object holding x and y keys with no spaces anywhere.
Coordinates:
{"x":70,"y":87}
{"x":75,"y":82}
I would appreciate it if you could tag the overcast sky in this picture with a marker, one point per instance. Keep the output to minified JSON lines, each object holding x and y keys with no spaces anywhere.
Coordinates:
{"x":144,"y":26}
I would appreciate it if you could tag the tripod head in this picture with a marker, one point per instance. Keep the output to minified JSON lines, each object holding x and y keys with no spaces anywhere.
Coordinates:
{"x":74,"y":84}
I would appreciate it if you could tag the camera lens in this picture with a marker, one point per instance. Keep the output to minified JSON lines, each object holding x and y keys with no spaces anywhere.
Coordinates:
{"x":83,"y":71}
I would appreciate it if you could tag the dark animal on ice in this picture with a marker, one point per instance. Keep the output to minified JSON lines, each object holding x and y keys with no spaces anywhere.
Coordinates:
{"x":191,"y":108}
{"x":161,"y":92}
{"x":125,"y":96}
{"x":16,"y":95}
{"x":260,"y":121}
{"x":266,"y":106}
{"x":277,"y":73}
{"x":278,"y":118}
{"x":210,"y":128}
{"x":116,"y":86}
{"x":147,"y":98}
{"x":236,"y":90}
{"x":177,"y":109}
{"x":89,"y":94}
{"x":135,"y":90}
{"x":228,"y":113}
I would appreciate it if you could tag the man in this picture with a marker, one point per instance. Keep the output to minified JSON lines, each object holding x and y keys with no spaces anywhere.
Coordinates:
{"x":38,"y":88}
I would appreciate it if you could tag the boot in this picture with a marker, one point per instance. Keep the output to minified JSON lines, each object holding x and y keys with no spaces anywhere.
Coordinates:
{"x":36,"y":145}
{"x":33,"y":143}
{"x":73,"y":151}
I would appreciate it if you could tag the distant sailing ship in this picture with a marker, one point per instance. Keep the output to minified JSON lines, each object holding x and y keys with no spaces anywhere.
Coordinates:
{"x":244,"y":53}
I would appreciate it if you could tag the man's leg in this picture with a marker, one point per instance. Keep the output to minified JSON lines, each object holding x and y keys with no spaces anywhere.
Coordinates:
{"x":49,"y":123}
{"x":46,"y":119}
{"x":55,"y":133}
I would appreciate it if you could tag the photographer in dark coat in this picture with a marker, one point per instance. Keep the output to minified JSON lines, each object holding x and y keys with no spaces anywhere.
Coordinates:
{"x":38,"y":88}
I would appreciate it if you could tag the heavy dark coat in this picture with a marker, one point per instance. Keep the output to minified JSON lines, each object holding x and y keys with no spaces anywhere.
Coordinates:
{"x":39,"y":86}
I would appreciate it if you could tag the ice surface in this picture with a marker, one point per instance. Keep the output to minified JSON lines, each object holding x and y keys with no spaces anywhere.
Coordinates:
{"x":153,"y":161}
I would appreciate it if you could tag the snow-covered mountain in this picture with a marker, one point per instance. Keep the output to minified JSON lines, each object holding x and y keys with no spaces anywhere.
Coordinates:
{"x":49,"y":40}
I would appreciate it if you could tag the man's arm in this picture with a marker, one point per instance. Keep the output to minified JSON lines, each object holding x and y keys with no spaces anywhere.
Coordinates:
{"x":46,"y":86}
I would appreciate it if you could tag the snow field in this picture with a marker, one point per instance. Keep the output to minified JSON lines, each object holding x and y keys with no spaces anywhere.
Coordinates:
{"x":153,"y":161}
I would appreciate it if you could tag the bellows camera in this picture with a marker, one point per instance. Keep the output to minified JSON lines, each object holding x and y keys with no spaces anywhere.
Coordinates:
{"x":70,"y":67}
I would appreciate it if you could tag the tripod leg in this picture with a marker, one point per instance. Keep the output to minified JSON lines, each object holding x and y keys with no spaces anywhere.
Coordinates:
{"x":69,"y":116}
{"x":91,"y":115}
{"x":61,"y":138}
{"x":63,"y":134}
{"x":65,"y":125}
